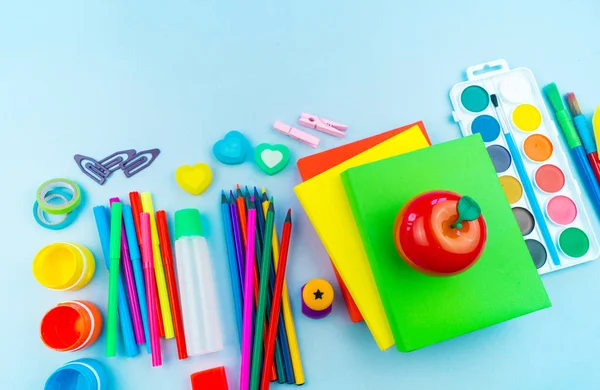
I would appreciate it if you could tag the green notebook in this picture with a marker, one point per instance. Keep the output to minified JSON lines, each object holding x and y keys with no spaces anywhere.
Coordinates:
{"x":424,"y":310}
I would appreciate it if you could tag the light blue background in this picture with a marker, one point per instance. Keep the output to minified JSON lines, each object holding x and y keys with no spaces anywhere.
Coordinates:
{"x":93,"y":77}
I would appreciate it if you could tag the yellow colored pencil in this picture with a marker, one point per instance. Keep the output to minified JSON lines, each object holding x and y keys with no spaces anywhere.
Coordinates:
{"x":159,"y":270}
{"x":596,"y":125}
{"x":288,"y":320}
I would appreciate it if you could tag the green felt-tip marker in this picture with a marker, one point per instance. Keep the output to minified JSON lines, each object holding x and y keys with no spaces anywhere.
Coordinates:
{"x":116,"y":213}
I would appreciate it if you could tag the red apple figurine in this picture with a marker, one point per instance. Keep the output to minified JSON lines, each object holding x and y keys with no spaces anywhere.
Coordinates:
{"x":440,"y":233}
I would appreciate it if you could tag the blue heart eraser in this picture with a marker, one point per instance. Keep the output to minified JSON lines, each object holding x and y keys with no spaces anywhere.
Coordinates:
{"x":232,"y":148}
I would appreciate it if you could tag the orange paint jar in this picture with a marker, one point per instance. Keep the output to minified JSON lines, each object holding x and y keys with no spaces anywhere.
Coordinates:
{"x":71,"y":326}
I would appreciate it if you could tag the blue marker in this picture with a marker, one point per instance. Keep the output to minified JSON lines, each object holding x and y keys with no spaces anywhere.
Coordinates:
{"x":103,"y":225}
{"x":138,"y":272}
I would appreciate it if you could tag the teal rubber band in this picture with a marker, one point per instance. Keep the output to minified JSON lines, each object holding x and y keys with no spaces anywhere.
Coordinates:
{"x":52,"y":186}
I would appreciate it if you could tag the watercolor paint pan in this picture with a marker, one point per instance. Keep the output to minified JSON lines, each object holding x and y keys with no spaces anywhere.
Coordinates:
{"x":560,"y":235}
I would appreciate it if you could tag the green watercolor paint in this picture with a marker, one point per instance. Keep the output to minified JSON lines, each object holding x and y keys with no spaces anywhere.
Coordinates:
{"x":574,"y":242}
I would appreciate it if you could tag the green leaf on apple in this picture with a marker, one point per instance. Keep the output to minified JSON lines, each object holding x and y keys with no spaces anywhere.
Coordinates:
{"x":468,"y":210}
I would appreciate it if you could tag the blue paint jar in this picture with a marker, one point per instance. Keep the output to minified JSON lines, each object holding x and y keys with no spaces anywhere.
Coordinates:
{"x":82,"y":374}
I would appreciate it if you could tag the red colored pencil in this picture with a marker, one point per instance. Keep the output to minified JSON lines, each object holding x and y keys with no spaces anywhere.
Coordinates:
{"x":241,"y":205}
{"x":276,"y":302}
{"x":136,"y":209}
{"x":167,"y":255}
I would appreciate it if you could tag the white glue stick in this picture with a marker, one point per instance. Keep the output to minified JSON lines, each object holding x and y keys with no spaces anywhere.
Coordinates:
{"x":196,"y":287}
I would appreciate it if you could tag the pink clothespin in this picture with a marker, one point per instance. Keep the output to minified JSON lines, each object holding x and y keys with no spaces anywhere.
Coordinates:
{"x":322,"y":124}
{"x":296,"y":134}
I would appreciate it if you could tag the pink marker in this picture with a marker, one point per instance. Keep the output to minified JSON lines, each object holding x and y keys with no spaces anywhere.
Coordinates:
{"x":134,"y":304}
{"x":248,"y":300}
{"x":296,"y":134}
{"x":322,"y":124}
{"x":148,"y":259}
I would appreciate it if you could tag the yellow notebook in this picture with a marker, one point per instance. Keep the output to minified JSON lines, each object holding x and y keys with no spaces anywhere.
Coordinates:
{"x":324,"y":200}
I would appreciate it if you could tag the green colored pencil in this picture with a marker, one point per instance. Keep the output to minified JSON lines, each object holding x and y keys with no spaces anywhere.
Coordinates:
{"x":263,"y":293}
{"x":116,"y":213}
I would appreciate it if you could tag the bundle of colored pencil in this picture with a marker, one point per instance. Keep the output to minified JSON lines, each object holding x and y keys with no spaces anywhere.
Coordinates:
{"x":257,"y":266}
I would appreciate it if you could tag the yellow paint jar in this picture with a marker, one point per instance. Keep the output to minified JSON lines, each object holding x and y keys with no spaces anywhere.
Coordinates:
{"x":64,"y":266}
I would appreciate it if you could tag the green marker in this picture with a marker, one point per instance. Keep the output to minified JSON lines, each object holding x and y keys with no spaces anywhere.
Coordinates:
{"x":262,"y":300}
{"x":116,"y":213}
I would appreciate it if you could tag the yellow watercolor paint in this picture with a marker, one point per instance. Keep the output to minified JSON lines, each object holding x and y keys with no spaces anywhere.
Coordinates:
{"x":526,"y":117}
{"x":512,"y":188}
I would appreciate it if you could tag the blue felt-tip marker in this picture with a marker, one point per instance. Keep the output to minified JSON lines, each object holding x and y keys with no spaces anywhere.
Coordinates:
{"x":103,"y":225}
{"x":138,"y":272}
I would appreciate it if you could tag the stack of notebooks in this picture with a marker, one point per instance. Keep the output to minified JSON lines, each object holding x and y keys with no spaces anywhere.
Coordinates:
{"x":352,"y":204}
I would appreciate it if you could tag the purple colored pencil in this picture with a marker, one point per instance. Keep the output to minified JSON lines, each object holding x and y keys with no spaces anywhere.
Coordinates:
{"x":134,"y":304}
{"x":237,"y":235}
{"x":248,"y":302}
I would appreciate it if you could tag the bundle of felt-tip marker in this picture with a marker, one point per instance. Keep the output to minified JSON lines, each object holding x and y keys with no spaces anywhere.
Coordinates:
{"x":257,"y":265}
{"x":144,"y":301}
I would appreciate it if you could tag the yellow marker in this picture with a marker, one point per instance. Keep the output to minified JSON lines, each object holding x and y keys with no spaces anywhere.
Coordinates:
{"x":159,"y":271}
{"x":288,"y":320}
{"x":596,"y":124}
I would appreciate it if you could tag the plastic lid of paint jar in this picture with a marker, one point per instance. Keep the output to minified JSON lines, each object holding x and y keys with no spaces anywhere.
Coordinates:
{"x":71,"y":326}
{"x":63,"y":266}
{"x":82,"y":374}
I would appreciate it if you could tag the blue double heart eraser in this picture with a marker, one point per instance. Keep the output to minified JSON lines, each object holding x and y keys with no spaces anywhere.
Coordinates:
{"x":232,"y":148}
